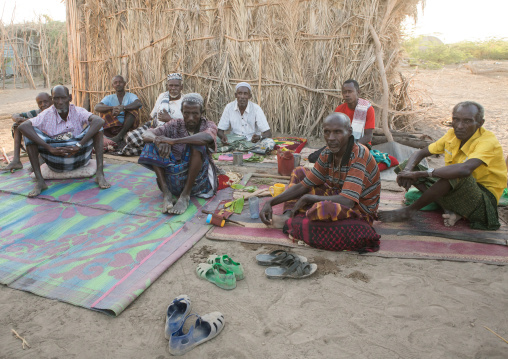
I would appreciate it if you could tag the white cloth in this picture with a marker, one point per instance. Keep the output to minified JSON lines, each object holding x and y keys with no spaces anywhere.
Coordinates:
{"x":253,"y":121}
{"x":174,"y":107}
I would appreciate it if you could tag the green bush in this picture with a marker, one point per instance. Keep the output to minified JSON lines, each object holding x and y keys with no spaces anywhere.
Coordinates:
{"x":433,"y":54}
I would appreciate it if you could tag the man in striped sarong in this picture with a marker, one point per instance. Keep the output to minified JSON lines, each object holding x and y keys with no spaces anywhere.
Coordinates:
{"x":64,"y":135}
{"x":333,"y":205}
{"x":180,"y":154}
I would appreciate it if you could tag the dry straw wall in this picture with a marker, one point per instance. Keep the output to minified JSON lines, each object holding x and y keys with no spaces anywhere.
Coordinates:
{"x":294,"y":53}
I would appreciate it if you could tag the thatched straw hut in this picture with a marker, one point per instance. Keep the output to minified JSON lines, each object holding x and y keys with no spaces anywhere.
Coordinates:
{"x":295,"y":53}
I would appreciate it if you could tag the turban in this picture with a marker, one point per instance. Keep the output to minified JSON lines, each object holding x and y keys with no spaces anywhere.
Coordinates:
{"x":193,"y":98}
{"x":175,"y":76}
{"x":243,"y":84}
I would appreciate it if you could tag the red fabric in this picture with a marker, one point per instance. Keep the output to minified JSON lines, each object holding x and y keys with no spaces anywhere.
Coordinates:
{"x":109,"y":145}
{"x":299,"y":143}
{"x":353,"y":234}
{"x":370,"y":122}
{"x":223,"y":182}
{"x":382,"y":166}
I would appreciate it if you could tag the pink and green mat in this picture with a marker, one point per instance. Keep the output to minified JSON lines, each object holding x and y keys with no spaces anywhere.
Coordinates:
{"x":425,"y":237}
{"x":99,"y":249}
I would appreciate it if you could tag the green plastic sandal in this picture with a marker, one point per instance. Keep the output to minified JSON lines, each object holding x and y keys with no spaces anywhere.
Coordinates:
{"x":217,"y":274}
{"x":228,"y":263}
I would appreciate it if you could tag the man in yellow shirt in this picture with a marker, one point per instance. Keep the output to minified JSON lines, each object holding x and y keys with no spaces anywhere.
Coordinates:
{"x":472,"y":180}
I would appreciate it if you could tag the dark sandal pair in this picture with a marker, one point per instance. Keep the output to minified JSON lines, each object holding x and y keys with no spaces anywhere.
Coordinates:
{"x":286,"y":265}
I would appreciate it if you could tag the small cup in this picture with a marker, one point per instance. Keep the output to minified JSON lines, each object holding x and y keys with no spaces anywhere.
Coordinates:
{"x":277,"y":189}
{"x":237,"y":158}
{"x":297,"y":158}
{"x":254,"y":207}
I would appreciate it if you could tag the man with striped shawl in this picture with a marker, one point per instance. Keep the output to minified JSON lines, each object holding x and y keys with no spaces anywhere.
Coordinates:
{"x":167,"y":107}
{"x":471,"y":182}
{"x":333,"y":205}
{"x":180,"y":154}
{"x":64,"y":136}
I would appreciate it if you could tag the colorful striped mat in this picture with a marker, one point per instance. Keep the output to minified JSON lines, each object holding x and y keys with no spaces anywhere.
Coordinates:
{"x":99,"y":249}
{"x":398,"y":240}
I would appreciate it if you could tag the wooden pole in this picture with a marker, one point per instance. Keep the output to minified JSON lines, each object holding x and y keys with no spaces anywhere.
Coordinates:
{"x":386,"y":89}
{"x":260,"y":63}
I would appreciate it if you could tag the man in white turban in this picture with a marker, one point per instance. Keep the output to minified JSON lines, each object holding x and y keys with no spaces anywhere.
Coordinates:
{"x":244,"y":117}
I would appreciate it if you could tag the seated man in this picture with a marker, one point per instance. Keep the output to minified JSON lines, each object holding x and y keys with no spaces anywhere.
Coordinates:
{"x":360,"y":112}
{"x":472,"y":180}
{"x":343,"y":188}
{"x":63,"y":135}
{"x":167,"y":107}
{"x":180,"y":155}
{"x":44,"y":101}
{"x":244,"y":117}
{"x":119,"y":110}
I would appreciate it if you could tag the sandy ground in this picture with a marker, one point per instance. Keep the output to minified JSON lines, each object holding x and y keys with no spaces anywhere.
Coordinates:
{"x":354,"y":307}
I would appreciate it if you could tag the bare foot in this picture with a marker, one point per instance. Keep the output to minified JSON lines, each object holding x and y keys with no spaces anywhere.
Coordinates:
{"x":14,"y":166}
{"x":450,"y":218}
{"x":181,"y":205}
{"x":167,"y":203}
{"x":279,"y":221}
{"x":101,"y":181}
{"x":398,"y":215}
{"x":39,"y":187}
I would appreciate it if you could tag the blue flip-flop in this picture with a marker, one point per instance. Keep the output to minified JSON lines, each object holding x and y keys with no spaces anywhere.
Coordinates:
{"x":206,"y":327}
{"x":176,"y":314}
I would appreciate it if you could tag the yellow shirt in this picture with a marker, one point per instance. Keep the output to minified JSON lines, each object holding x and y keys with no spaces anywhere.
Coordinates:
{"x":483,"y":145}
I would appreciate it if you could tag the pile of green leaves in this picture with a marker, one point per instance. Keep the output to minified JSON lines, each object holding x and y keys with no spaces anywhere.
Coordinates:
{"x":244,"y":188}
{"x":236,"y":206}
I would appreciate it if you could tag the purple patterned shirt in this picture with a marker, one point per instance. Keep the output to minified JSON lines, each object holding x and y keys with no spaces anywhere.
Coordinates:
{"x":50,"y":122}
{"x":176,"y":129}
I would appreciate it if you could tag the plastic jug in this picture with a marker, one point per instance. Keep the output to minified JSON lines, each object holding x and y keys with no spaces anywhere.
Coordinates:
{"x":285,"y":162}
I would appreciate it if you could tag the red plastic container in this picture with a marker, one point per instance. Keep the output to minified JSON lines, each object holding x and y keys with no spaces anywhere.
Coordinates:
{"x":285,"y":162}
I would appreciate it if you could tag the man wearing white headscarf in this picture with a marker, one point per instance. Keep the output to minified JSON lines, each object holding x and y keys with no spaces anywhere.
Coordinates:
{"x":167,"y":107}
{"x":244,"y":117}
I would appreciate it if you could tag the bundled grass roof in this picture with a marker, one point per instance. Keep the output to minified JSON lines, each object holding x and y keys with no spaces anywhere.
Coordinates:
{"x":294,"y":53}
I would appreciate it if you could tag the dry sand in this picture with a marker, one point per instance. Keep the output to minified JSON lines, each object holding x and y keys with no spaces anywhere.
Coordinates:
{"x":354,"y":307}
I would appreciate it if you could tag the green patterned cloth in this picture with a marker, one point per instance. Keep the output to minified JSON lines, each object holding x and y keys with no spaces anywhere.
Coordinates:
{"x":467,"y":198}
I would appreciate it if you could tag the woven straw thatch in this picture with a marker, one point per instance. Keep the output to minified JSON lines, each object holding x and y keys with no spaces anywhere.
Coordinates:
{"x":294,"y":53}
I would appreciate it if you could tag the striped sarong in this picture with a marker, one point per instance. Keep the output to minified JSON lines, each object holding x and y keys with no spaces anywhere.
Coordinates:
{"x":112,"y":126}
{"x":467,"y":198}
{"x":329,"y":225}
{"x":177,"y":171}
{"x":64,"y":164}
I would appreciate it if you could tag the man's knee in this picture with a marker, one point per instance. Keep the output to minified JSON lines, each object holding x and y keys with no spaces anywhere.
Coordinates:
{"x":197,"y":153}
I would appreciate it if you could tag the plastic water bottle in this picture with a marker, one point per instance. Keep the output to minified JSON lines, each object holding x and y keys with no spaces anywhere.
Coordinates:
{"x":254,"y":207}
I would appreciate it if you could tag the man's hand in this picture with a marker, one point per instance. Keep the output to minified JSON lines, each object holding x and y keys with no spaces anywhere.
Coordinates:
{"x":18,"y":119}
{"x":59,"y":151}
{"x":117,"y":110}
{"x":163,"y":145}
{"x":407,"y":178}
{"x":164,"y":116}
{"x":71,"y":151}
{"x":224,"y":140}
{"x":266,"y":214}
{"x":255,"y":138}
{"x":303,"y":201}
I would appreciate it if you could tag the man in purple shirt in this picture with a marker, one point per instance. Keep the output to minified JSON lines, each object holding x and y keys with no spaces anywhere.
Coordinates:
{"x":64,"y":136}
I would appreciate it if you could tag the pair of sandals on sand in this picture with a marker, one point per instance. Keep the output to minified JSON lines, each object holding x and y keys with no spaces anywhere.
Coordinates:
{"x":223,"y":271}
{"x":286,"y":265}
{"x":205,"y":328}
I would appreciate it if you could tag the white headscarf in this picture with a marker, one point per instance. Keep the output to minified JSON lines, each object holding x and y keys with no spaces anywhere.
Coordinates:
{"x":243,"y":84}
